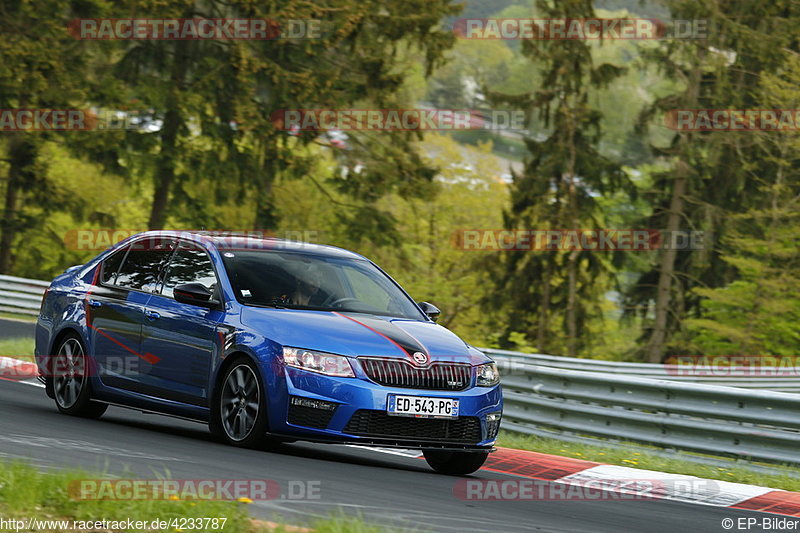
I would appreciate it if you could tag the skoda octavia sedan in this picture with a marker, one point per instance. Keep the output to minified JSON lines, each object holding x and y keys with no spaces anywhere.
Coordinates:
{"x":266,"y":341}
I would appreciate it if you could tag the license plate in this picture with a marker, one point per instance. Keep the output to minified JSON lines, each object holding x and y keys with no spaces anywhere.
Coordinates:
{"x":422,"y":407}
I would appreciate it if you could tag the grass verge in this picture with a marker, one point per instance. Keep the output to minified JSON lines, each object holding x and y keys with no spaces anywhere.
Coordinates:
{"x":788,"y":478}
{"x":26,"y":493}
{"x":22,"y":318}
{"x":17,"y":348}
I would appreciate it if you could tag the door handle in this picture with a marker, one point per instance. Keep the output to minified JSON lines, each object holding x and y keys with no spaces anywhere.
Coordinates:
{"x":152,"y":315}
{"x":95,"y":303}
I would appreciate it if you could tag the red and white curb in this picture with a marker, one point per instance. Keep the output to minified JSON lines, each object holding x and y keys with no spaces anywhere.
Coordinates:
{"x":646,"y":483}
{"x":17,"y":370}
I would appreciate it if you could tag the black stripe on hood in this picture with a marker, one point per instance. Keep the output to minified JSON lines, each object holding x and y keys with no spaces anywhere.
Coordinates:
{"x":408,"y":343}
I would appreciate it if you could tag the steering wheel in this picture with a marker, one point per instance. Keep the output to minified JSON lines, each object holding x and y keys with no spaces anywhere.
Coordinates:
{"x":338,"y":302}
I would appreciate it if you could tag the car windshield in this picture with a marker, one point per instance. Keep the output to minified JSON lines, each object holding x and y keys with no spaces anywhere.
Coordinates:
{"x":302,"y":281}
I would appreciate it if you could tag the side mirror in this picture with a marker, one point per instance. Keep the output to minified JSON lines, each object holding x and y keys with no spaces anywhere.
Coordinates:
{"x":73,"y":269}
{"x":194,"y":294}
{"x":431,"y":310}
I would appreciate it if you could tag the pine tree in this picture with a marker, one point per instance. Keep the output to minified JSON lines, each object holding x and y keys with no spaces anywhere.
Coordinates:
{"x":758,"y":313}
{"x":711,"y":173}
{"x":550,"y":295}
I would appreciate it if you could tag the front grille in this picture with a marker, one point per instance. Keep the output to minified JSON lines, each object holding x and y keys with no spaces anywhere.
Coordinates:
{"x":366,"y":423}
{"x":401,"y":373}
{"x":301,"y":415}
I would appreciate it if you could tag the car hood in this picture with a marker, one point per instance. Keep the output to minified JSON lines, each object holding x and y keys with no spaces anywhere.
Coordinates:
{"x":358,"y":334}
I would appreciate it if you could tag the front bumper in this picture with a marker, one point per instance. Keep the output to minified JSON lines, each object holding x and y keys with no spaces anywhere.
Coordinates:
{"x":353,"y":410}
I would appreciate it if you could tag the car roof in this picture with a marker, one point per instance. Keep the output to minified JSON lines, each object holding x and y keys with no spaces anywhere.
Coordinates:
{"x":242,"y":242}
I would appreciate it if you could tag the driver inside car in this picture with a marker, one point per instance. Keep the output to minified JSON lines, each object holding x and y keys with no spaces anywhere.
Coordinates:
{"x":307,"y":288}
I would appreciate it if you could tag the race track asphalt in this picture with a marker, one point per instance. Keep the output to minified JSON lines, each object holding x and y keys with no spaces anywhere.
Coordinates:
{"x":385,"y":488}
{"x":16,"y":328}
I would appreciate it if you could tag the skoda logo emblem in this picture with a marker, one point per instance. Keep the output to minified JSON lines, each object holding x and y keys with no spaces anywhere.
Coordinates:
{"x":420,"y":358}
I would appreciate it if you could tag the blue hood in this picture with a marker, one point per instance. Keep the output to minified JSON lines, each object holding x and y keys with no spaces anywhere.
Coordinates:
{"x":356,"y":334}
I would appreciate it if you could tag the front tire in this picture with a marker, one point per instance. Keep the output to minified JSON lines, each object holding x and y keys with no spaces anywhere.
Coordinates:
{"x":455,"y":463}
{"x":239,"y":412}
{"x":72,"y":389}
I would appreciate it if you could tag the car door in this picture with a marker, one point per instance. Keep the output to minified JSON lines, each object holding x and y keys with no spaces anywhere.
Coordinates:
{"x":183,"y":336}
{"x":116,"y":311}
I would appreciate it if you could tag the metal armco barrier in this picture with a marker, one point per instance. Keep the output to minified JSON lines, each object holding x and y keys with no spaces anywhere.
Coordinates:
{"x":723,"y":421}
{"x":20,"y":295}
{"x":770,"y":380}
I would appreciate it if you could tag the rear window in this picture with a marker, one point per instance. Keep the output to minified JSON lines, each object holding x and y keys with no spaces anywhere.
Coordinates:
{"x":143,"y":264}
{"x":111,"y":266}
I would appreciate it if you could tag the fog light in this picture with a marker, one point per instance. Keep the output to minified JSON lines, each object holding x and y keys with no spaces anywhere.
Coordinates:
{"x":314,"y":404}
{"x":493,"y":424}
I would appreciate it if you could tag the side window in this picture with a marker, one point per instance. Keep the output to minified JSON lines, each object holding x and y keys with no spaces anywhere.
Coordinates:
{"x":111,"y":265}
{"x":190,"y":264}
{"x":144,"y":262}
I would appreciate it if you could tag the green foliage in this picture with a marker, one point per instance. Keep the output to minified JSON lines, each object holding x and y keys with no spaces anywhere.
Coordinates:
{"x":551,"y":295}
{"x":596,"y":155}
{"x":758,"y":312}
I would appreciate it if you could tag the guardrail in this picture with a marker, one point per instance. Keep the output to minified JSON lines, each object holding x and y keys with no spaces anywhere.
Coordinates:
{"x":20,"y":295}
{"x":770,"y":378}
{"x":722,"y":421}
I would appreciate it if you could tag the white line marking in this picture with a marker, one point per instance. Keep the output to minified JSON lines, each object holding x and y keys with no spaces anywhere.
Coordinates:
{"x":33,"y":383}
{"x":660,"y":485}
{"x":414,"y":454}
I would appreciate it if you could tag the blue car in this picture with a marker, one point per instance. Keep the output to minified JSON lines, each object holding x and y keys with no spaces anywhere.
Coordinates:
{"x":266,"y":341}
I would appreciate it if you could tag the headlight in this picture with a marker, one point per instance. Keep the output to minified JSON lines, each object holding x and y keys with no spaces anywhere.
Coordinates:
{"x":322,"y":363}
{"x":488,"y":375}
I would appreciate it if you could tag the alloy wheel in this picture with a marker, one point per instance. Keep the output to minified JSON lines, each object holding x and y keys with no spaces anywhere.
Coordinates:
{"x":69,"y":373}
{"x":240,"y":402}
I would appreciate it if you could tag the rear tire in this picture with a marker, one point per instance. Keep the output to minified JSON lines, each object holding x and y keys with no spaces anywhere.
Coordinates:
{"x":455,"y":463}
{"x":72,"y":389}
{"x":239,"y":408}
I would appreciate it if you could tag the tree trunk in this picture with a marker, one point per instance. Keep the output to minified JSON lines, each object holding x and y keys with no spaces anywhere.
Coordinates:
{"x":572,"y":259}
{"x":654,"y":351}
{"x":572,"y":290}
{"x":165,"y":164}
{"x":655,"y":345}
{"x":544,"y":310}
{"x":21,"y":155}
